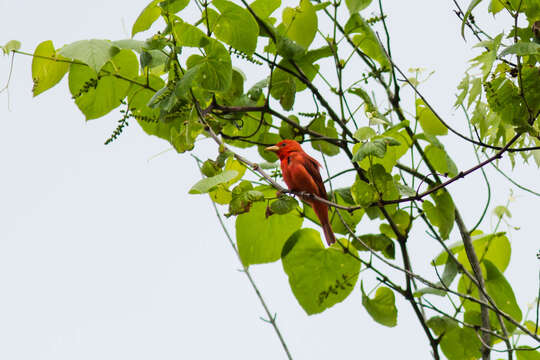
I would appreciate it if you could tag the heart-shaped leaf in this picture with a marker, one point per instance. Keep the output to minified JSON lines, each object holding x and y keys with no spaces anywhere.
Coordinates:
{"x":319,"y":277}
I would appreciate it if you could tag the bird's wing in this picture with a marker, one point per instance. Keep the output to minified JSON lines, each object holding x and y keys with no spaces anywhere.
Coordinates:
{"x":312,"y":166}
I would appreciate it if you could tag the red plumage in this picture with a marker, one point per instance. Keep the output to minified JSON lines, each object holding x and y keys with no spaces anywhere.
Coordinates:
{"x":301,"y":173}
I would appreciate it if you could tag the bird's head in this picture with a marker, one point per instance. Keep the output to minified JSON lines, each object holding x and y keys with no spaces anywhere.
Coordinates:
{"x":284,"y":148}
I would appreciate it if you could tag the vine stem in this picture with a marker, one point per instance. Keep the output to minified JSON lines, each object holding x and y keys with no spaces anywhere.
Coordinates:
{"x":271,"y":318}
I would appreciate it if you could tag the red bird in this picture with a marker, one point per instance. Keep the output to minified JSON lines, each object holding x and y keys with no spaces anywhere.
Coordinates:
{"x":301,"y":173}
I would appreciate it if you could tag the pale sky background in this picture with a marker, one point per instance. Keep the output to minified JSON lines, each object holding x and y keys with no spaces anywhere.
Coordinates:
{"x":104,"y":255}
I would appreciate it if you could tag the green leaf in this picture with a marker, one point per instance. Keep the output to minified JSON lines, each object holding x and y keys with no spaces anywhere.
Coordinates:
{"x":184,"y":139}
{"x":173,"y":6}
{"x":47,"y":72}
{"x":11,"y":45}
{"x":461,"y":343}
{"x":242,"y":198}
{"x":441,"y":214}
{"x":501,"y":211}
{"x":429,"y":122}
{"x":441,"y":324}
{"x":531,"y":326}
{"x":464,"y":87}
{"x":472,"y":5}
{"x":500,"y":291}
{"x":476,"y":90}
{"x":189,"y":35}
{"x":320,"y":125}
{"x":283,"y":205}
{"x":383,"y":183}
{"x":236,"y":26}
{"x":233,"y":164}
{"x":357,"y":5}
{"x":363,"y":193}
{"x":300,"y":23}
{"x":283,"y":89}
{"x":364,"y":133}
{"x":210,"y":72}
{"x":493,"y":247}
{"x":319,"y":277}
{"x":371,"y":148}
{"x":382,"y":308}
{"x":441,"y":161}
{"x":95,"y":53}
{"x":287,"y":131}
{"x":260,"y":239}
{"x":366,"y":40}
{"x":376,"y":242}
{"x":488,"y":57}
{"x":495,"y":6}
{"x":147,"y":17}
{"x":138,"y":99}
{"x":268,"y":138}
{"x":521,"y":48}
{"x":265,"y":8}
{"x":343,"y":197}
{"x":96,"y":98}
{"x":208,"y":184}
{"x":399,"y":143}
{"x":131,"y":44}
{"x":527,"y":353}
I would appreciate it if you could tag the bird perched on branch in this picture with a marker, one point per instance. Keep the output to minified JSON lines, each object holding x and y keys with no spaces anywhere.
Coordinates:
{"x":301,"y":173}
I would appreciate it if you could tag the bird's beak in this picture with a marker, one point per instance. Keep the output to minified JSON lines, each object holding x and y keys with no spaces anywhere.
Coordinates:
{"x":272,"y":148}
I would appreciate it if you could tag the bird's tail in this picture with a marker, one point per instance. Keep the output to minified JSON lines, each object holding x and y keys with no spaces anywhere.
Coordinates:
{"x":321,"y":210}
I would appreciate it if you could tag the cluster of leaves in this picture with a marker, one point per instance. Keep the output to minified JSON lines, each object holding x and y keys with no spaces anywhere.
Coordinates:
{"x":180,"y":85}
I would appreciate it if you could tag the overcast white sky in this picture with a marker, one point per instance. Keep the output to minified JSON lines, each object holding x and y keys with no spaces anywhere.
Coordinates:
{"x":104,"y":255}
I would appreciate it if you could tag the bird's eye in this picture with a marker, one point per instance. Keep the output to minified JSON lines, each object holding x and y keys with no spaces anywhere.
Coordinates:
{"x":282,"y":145}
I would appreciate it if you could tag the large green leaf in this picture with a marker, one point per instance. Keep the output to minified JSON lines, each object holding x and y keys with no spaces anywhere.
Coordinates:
{"x":363,"y":193}
{"x":319,"y":277}
{"x":189,"y":35}
{"x":47,"y":72}
{"x":440,"y":160}
{"x":428,"y":121}
{"x":300,"y":23}
{"x":382,"y":308}
{"x":442,"y":213}
{"x":460,"y":344}
{"x":146,"y":18}
{"x":493,"y":247}
{"x":96,"y":98}
{"x":265,"y":8}
{"x":259,"y":238}
{"x":95,"y":53}
{"x":499,"y":289}
{"x":210,"y":72}
{"x":283,"y":89}
{"x":236,"y":26}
